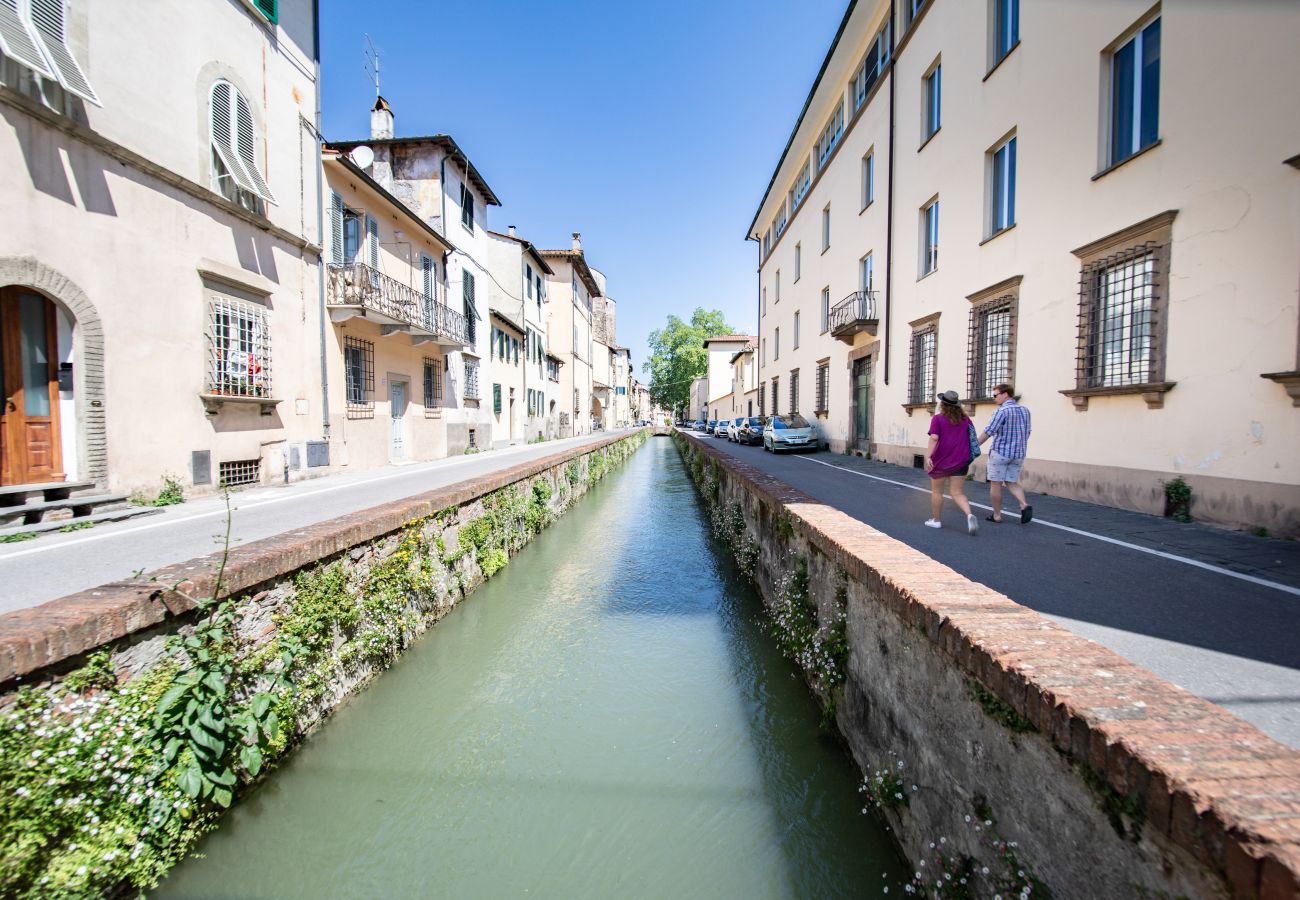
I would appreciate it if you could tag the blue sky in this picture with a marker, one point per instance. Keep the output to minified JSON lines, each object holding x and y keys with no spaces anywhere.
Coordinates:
{"x":651,"y":129}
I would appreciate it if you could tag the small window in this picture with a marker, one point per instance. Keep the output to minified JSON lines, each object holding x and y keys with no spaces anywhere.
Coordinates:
{"x":912,"y":9}
{"x":359,"y":377}
{"x":432,"y":384}
{"x":1002,"y":186}
{"x":466,"y":207}
{"x":776,"y":343}
{"x":930,"y":237}
{"x":767,"y":244}
{"x":868,"y":178}
{"x":269,"y":9}
{"x":782,"y":218}
{"x":764,"y":350}
{"x":239,"y":349}
{"x":826,"y":228}
{"x":776,"y":395}
{"x":921,"y":367}
{"x":873,"y":64}
{"x":1135,"y":93}
{"x":865,"y":273}
{"x":471,"y":379}
{"x":802,"y":182}
{"x":794,"y":392}
{"x":798,"y":261}
{"x":1005,"y":23}
{"x":528,"y":280}
{"x":823,"y":387}
{"x":764,"y":299}
{"x":830,"y":136}
{"x":826,"y":309}
{"x":777,"y":284}
{"x":496,"y":399}
{"x":794,"y":343}
{"x":762,"y":399}
{"x":931,"y":103}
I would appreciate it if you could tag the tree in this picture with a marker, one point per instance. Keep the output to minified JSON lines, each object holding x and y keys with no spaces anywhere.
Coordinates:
{"x":678,"y":357}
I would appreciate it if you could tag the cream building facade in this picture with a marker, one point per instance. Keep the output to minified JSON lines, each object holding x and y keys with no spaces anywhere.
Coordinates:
{"x":1060,"y":200}
{"x":159,"y":261}
{"x":720,"y":372}
{"x":571,"y":287}
{"x":518,"y":292}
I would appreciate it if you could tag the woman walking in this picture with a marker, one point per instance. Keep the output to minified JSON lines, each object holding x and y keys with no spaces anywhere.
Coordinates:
{"x":948,"y":457}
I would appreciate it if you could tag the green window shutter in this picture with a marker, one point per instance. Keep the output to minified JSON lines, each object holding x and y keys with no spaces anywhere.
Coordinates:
{"x":496,"y":398}
{"x":269,"y":9}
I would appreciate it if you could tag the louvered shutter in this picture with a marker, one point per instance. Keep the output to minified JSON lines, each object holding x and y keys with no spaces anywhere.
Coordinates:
{"x":19,"y":43}
{"x":47,"y":17}
{"x":268,"y":9}
{"x":427,"y":265}
{"x":246,"y":147}
{"x":336,"y":229}
{"x":372,"y":242}
{"x":223,"y":138}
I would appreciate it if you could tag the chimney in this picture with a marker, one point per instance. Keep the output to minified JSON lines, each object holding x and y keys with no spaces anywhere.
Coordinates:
{"x":577,"y":241}
{"x":381,"y":120}
{"x":511,"y":231}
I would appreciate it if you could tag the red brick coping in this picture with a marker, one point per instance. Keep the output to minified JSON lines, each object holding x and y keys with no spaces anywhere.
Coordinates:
{"x":37,"y":638}
{"x":1210,"y":782}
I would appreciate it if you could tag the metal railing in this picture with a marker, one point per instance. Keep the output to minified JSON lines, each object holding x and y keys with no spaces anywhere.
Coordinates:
{"x":360,"y":285}
{"x":858,"y":307}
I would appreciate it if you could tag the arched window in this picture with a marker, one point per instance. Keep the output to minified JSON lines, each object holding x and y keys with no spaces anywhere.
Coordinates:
{"x":234,"y":145}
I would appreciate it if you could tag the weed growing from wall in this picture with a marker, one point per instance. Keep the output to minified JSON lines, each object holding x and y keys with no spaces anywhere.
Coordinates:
{"x":885,"y":787}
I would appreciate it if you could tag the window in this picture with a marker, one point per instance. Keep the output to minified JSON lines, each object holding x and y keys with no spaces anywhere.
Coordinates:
{"x":33,"y":33}
{"x":921,"y":366}
{"x":372,"y":242}
{"x":268,"y":9}
{"x":1002,"y":187}
{"x":239,"y":349}
{"x":528,"y":280}
{"x":826,"y":228}
{"x":359,"y":377}
{"x":432,"y":384}
{"x":767,"y":244}
{"x":872,"y":65}
{"x":345,"y":232}
{"x":865,"y":274}
{"x":234,"y":143}
{"x":776,"y":343}
{"x":794,"y":391}
{"x":762,"y":399}
{"x":912,"y":9}
{"x":826,"y":309}
{"x":823,"y":387}
{"x":496,"y":399}
{"x":830,"y":136}
{"x":798,"y":261}
{"x":802,"y":182}
{"x":1135,"y":93}
{"x":763,"y":343}
{"x":990,"y":355}
{"x":930,"y":237}
{"x":471,"y":379}
{"x":868,"y":178}
{"x":467,"y":302}
{"x":1005,"y":22}
{"x":776,"y":394}
{"x":466,"y":207}
{"x":764,"y":299}
{"x":930,"y":100}
{"x":777,"y":284}
{"x":794,"y":344}
{"x":782,"y":218}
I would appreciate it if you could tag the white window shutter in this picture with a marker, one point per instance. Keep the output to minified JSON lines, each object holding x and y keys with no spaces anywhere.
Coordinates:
{"x":223,"y":138}
{"x":336,"y":229}
{"x":47,"y":19}
{"x":18,"y":41}
{"x":246,"y":147}
{"x":372,"y":233}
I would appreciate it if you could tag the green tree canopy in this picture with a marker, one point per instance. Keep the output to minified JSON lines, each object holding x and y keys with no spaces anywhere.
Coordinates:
{"x":678,"y":357}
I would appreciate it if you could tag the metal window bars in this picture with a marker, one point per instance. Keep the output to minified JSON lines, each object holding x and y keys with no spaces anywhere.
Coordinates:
{"x":762,"y":399}
{"x":921,"y":365}
{"x":991,"y":346}
{"x":432,"y":384}
{"x":1119,"y":328}
{"x":239,"y":472}
{"x":794,"y":392}
{"x":239,"y":349}
{"x":471,"y":380}
{"x":359,"y":377}
{"x":823,"y":388}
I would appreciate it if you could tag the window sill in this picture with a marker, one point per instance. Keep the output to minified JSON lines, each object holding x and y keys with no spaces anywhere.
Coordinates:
{"x":1288,"y":380}
{"x":929,"y":138}
{"x":1152,"y":392}
{"x":1128,"y":159}
{"x":824,"y":249}
{"x":997,"y":234}
{"x":990,"y":72}
{"x":925,"y":275}
{"x":912,"y":407}
{"x":867,"y":207}
{"x":212,"y":403}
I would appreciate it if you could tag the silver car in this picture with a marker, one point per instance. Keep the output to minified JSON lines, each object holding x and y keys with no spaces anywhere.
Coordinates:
{"x":788,"y":432}
{"x":733,"y":428}
{"x":720,"y":429}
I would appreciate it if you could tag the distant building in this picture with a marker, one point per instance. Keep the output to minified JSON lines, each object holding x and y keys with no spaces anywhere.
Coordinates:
{"x":518,"y":293}
{"x":571,"y":287}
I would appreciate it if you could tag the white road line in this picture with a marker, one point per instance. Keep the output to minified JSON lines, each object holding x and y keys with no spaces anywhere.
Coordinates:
{"x":221,"y":511}
{"x":1284,"y":588}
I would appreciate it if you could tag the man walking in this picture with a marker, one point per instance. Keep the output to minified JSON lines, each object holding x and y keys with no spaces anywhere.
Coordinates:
{"x":1009,"y":429}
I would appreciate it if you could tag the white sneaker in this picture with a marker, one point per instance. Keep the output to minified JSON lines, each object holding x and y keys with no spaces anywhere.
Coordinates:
{"x":972,"y":524}
{"x":933,"y":523}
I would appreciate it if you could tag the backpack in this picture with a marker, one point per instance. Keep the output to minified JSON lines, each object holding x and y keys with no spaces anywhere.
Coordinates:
{"x":974,"y":439}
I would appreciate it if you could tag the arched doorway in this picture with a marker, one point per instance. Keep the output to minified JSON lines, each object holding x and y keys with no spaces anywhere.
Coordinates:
{"x":597,"y":414}
{"x":31,"y":450}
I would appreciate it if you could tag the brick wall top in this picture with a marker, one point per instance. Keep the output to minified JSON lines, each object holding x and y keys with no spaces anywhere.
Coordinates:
{"x":37,"y":638}
{"x":1209,"y":781}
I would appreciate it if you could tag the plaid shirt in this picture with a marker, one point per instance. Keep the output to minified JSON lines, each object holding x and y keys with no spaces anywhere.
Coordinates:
{"x":1009,"y":429}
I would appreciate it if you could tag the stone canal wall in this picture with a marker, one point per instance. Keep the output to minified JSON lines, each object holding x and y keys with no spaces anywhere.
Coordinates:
{"x":132,"y":714}
{"x":1005,"y":752}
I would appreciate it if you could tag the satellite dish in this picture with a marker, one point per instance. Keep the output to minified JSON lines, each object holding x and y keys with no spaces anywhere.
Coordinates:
{"x":363,"y":156}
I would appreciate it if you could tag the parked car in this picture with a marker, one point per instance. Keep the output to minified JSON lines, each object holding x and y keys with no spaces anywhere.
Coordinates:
{"x":710,"y":426}
{"x":733,"y":428}
{"x":720,"y":428}
{"x":788,"y":432}
{"x":750,"y":431}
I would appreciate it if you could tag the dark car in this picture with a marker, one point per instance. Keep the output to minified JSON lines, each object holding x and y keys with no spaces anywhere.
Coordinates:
{"x":750,"y":431}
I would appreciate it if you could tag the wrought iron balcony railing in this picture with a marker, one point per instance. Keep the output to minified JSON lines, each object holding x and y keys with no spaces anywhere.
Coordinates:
{"x":856,"y":312}
{"x":393,"y":303}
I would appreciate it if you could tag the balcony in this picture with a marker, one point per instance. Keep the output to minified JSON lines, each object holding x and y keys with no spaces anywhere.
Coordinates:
{"x":855,"y":313}
{"x":358,"y":291}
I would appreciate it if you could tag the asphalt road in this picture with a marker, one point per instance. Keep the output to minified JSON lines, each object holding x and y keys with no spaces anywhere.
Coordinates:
{"x":57,"y":564}
{"x":1214,"y":611}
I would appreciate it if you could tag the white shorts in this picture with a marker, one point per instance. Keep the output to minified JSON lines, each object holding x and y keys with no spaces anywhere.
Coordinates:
{"x":1003,"y":468}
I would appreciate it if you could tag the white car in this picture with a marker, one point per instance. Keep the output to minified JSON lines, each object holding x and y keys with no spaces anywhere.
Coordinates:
{"x":733,"y":428}
{"x":789,"y":432}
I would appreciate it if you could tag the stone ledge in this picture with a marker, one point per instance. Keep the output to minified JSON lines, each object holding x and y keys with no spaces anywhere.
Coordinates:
{"x":1210,"y":782}
{"x":43,"y":636}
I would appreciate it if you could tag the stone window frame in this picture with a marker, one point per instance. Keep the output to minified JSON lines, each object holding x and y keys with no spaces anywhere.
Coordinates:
{"x":1006,"y":292}
{"x":921,"y":326}
{"x":1155,"y":233}
{"x":794,"y":392}
{"x":821,"y":398}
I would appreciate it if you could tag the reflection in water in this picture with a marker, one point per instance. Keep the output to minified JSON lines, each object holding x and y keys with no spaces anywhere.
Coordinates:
{"x":604,"y":718}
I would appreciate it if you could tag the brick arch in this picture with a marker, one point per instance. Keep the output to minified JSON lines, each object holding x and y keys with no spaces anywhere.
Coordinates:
{"x":88,"y":349}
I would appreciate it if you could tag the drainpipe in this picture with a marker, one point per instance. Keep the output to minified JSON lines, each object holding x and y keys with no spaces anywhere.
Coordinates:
{"x":889,"y":200}
{"x":320,"y":230}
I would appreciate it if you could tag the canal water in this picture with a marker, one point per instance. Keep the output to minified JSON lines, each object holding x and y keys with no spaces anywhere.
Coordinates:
{"x":604,"y":718}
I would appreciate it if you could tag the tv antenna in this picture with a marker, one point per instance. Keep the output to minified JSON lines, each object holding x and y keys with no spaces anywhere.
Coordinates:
{"x":372,"y":64}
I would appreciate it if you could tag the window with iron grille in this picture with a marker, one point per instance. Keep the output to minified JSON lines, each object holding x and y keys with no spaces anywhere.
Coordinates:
{"x":762,"y":399}
{"x":921,"y":366}
{"x":432,"y":384}
{"x":794,"y":391}
{"x":359,"y":377}
{"x":239,"y":472}
{"x":990,"y":354}
{"x":823,"y":387}
{"x":1117,"y":319}
{"x":239,"y":349}
{"x":471,"y":379}
{"x":776,"y":395}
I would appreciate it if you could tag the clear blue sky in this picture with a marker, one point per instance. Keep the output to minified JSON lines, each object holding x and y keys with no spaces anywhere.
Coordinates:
{"x":650,"y":128}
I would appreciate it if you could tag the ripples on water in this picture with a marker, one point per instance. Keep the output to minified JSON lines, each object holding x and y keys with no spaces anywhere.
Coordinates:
{"x":604,"y":718}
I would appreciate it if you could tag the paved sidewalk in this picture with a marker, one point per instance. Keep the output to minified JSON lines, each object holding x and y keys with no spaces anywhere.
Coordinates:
{"x":1214,"y":611}
{"x":58,"y":564}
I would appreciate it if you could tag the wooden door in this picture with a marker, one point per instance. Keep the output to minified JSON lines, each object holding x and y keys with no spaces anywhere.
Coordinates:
{"x":30,"y":449}
{"x":861,"y":403}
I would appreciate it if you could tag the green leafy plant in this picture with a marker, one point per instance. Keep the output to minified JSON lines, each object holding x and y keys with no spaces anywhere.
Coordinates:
{"x":172,"y":492}
{"x":96,"y":673}
{"x":77,"y":526}
{"x":1178,"y":500}
{"x":17,"y":537}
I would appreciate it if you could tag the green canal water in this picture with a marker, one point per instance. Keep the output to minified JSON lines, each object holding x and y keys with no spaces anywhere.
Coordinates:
{"x":604,"y":718}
